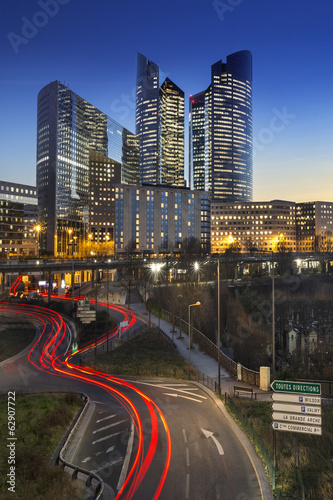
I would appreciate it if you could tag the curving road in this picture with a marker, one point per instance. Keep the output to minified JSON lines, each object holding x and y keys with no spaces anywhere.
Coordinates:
{"x":147,"y":439}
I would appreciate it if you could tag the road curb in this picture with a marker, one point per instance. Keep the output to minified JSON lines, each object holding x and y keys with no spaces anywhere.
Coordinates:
{"x":263,"y":480}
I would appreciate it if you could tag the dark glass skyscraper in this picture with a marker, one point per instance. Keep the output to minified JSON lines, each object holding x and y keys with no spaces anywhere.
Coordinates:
{"x":68,"y":128}
{"x":221,"y":150}
{"x":159,"y":125}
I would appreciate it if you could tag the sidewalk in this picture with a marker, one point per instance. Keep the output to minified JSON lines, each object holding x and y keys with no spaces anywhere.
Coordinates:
{"x":201,"y":361}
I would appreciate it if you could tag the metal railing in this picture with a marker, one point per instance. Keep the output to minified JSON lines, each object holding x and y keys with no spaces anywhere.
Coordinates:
{"x":205,"y":344}
{"x":90,"y":475}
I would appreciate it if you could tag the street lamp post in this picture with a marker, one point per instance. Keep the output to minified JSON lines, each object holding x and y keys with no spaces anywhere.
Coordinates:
{"x":156,"y":269}
{"x":218,"y":328}
{"x":255,"y":249}
{"x":38,"y":228}
{"x":189,"y":337}
{"x":180,"y":319}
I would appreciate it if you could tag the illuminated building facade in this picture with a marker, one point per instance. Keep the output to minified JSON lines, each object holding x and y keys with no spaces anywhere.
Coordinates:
{"x":18,"y":216}
{"x":104,"y":174}
{"x":158,"y":219}
{"x":267,"y":225}
{"x":159,"y":125}
{"x":68,"y":128}
{"x":314,"y":226}
{"x":221,"y":148}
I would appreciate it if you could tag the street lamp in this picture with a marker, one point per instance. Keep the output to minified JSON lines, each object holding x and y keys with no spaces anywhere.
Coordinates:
{"x":189,"y":337}
{"x":69,"y":240}
{"x":218,"y":328}
{"x":38,"y":229}
{"x":180,"y":319}
{"x":156,"y":268}
{"x":255,"y":249}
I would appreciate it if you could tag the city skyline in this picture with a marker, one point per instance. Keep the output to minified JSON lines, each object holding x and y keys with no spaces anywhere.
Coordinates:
{"x":291,"y":75}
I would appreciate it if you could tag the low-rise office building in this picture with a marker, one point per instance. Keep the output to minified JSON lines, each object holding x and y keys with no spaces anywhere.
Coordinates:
{"x":18,"y":217}
{"x":266,"y":225}
{"x":160,"y":219}
{"x":314,"y":226}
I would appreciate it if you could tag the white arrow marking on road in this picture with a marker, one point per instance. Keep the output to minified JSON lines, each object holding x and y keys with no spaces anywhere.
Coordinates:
{"x":209,"y":434}
{"x":185,"y":397}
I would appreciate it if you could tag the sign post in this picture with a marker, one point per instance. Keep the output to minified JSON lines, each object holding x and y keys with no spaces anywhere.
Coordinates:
{"x":296,"y":407}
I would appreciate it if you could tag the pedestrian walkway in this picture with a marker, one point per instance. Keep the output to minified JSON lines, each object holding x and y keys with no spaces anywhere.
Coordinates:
{"x":201,"y":361}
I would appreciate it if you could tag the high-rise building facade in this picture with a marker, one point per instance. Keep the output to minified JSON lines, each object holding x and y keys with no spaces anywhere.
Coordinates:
{"x":68,"y":128}
{"x":159,"y":125}
{"x":104,"y":175}
{"x":158,"y":219}
{"x":221,"y":148}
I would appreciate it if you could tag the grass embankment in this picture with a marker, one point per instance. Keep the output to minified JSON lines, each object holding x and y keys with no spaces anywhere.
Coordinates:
{"x":315,"y":452}
{"x":147,"y":354}
{"x":40,"y":421}
{"x":14,"y":337}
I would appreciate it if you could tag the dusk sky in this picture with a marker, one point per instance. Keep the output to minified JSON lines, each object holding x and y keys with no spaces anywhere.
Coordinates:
{"x":91,"y":47}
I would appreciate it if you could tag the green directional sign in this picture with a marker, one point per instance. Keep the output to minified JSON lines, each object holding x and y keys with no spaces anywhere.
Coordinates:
{"x":74,"y":346}
{"x":296,"y":387}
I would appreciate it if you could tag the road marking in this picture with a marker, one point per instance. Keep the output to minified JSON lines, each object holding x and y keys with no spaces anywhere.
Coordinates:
{"x":105,"y":418}
{"x":187,"y":457}
{"x":187,"y":487}
{"x":124,"y":470}
{"x":184,"y":434}
{"x":85,"y":460}
{"x":109,"y":464}
{"x":110,"y":449}
{"x":180,"y":396}
{"x":109,"y":426}
{"x":209,"y":434}
{"x":106,"y":437}
{"x":173,"y":387}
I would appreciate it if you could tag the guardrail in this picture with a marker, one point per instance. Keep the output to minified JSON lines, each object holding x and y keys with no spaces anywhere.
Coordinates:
{"x":90,"y":475}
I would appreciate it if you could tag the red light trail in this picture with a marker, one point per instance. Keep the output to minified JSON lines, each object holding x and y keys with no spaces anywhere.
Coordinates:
{"x":50,"y":353}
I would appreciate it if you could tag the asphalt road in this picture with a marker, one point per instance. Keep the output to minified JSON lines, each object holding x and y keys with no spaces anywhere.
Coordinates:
{"x":147,"y":439}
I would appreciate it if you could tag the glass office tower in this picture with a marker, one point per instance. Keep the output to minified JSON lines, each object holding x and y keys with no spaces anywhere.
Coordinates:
{"x":68,"y":128}
{"x":221,"y":150}
{"x":159,"y":125}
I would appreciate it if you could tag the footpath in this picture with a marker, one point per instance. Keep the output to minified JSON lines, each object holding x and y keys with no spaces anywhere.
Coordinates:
{"x":202,"y":362}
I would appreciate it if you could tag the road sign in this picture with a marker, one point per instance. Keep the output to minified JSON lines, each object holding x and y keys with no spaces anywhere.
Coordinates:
{"x":122,"y":324}
{"x":296,"y":418}
{"x":82,"y":314}
{"x":290,"y":408}
{"x":303,"y":428}
{"x":292,"y":386}
{"x":296,"y":398}
{"x":74,"y":346}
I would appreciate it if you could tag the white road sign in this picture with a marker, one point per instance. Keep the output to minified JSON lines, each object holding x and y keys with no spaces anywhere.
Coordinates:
{"x":296,"y":398}
{"x":296,"y":418}
{"x":303,"y":428}
{"x":310,"y":410}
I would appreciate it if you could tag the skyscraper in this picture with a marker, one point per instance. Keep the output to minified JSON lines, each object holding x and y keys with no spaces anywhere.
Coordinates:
{"x":68,"y":128}
{"x":159,"y":125}
{"x":221,"y":151}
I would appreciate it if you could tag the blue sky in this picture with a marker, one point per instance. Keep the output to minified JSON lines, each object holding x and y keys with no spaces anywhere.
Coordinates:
{"x":91,"y":46}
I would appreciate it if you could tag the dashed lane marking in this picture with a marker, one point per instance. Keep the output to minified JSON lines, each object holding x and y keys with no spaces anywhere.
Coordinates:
{"x":105,"y":418}
{"x":106,"y":437}
{"x":109,"y":426}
